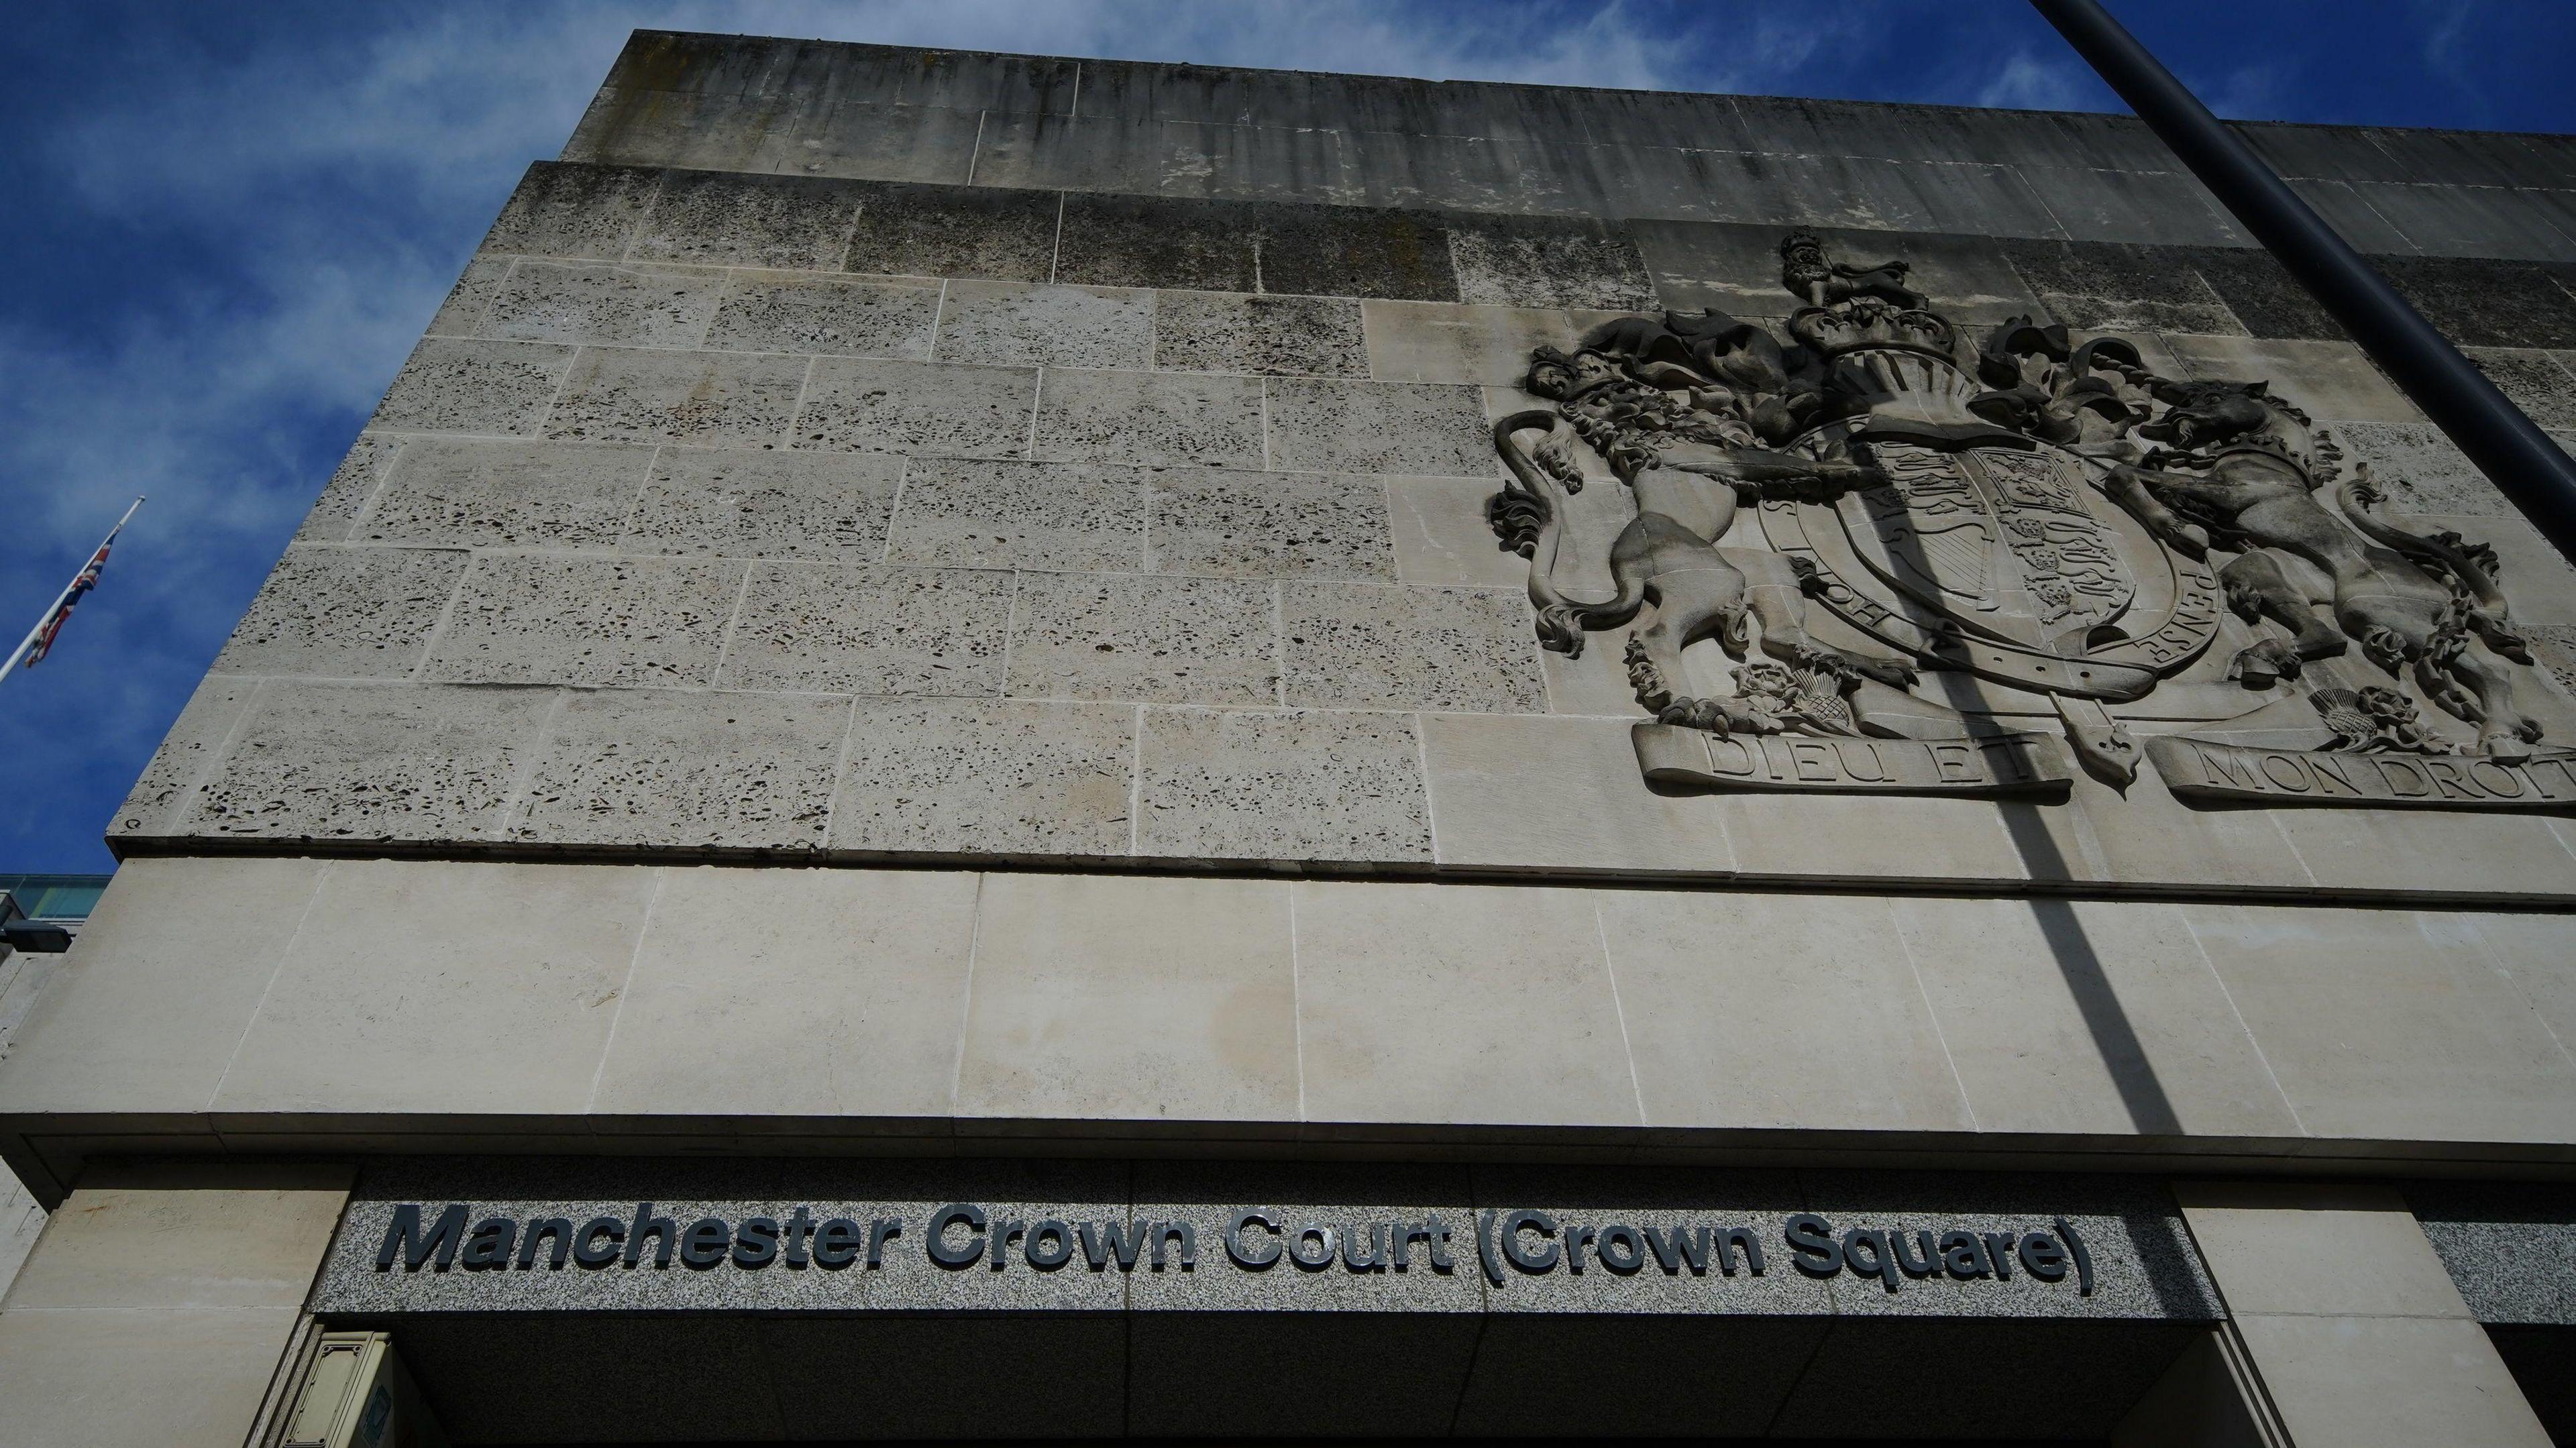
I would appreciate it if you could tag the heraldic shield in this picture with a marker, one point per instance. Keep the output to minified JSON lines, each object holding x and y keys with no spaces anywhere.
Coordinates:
{"x":1950,"y":541}
{"x":2003,"y":561}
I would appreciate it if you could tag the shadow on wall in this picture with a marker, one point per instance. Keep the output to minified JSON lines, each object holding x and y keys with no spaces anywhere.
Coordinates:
{"x":2123,"y":1055}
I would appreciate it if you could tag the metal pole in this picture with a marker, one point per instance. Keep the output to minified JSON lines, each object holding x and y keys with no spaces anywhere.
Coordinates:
{"x":2507,"y":446}
{"x":29,"y":642}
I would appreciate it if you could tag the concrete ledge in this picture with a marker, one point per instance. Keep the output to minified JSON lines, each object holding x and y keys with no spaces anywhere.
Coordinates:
{"x":52,"y":1152}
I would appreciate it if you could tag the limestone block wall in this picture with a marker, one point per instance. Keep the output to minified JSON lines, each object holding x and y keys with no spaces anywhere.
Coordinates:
{"x":751,"y":514}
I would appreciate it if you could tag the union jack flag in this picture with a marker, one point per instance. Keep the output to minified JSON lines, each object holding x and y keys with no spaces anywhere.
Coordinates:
{"x":41,"y":641}
{"x":62,"y":613}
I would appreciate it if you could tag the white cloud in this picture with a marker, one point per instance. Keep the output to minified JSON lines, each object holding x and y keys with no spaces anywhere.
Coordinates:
{"x":2029,"y":83}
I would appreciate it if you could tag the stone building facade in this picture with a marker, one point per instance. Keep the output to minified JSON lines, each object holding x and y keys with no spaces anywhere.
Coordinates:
{"x":1315,"y":755}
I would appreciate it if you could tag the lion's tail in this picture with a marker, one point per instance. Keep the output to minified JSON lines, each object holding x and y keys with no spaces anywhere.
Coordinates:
{"x":2468,"y":572}
{"x":1529,"y":516}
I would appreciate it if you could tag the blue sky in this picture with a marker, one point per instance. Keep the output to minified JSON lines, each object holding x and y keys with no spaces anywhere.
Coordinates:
{"x":228,"y":223}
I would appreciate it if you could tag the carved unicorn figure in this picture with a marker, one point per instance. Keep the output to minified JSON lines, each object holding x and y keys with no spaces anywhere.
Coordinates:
{"x":2240,"y":468}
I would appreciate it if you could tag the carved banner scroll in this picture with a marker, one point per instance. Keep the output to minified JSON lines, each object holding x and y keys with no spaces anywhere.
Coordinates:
{"x":1986,"y":767}
{"x":2197,"y":769}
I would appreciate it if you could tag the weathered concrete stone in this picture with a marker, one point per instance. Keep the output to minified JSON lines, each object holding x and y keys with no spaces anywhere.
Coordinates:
{"x":1378,"y":427}
{"x":1102,"y":996}
{"x":1274,"y":336}
{"x":1151,"y":419}
{"x":694,"y":131}
{"x":2332,"y":381}
{"x":461,"y":315}
{"x":917,"y":407}
{"x":371,"y":762}
{"x":1540,"y":793}
{"x":1458,"y":1004}
{"x":2537,"y":382}
{"x":472,"y":492}
{"x":1160,"y":241}
{"x":1736,"y":269}
{"x":1441,"y":536}
{"x":706,"y":399}
{"x":1358,"y":646}
{"x":2473,"y":221}
{"x":2329,"y":1377}
{"x":2117,"y":287}
{"x":832,"y":507}
{"x":870,"y":630}
{"x":1234,"y":162}
{"x":2147,"y":833}
{"x":187,"y":1236}
{"x":2080,"y":1016}
{"x":456,"y":385}
{"x":2261,"y":293}
{"x":1013,"y":323}
{"x":1163,"y":640}
{"x":2387,"y":1027}
{"x":196,"y":739}
{"x":2258,"y":1238}
{"x":1071,"y":154}
{"x":953,"y":231}
{"x":2479,"y":303}
{"x":1244,"y":784}
{"x":802,"y":312}
{"x":344,"y":612}
{"x":1224,"y":523}
{"x":719,"y":770}
{"x":644,"y":306}
{"x":1540,"y":261}
{"x":131,"y":1264}
{"x":574,"y":211}
{"x":887,"y":143}
{"x":173,"y":963}
{"x":540,"y":618}
{"x":1444,"y":342}
{"x":848,"y":982}
{"x":1520,"y":173}
{"x":2553,"y":647}
{"x":994,"y":514}
{"x":352,"y":485}
{"x":1349,"y":251}
{"x":518,"y":965}
{"x":987,"y":777}
{"x":1803,"y":125}
{"x":2167,"y":207}
{"x":2421,"y":470}
{"x":2334,"y":1348}
{"x":971,"y":80}
{"x":719,"y":219}
{"x":1730,"y":999}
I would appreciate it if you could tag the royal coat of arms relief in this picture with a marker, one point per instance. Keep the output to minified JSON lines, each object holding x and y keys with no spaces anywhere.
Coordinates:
{"x":1935,"y":563}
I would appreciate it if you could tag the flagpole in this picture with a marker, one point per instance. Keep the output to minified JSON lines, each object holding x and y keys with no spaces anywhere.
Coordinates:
{"x":29,"y":642}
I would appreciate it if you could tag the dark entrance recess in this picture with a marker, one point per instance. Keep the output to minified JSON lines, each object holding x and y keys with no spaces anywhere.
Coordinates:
{"x":566,"y":1378}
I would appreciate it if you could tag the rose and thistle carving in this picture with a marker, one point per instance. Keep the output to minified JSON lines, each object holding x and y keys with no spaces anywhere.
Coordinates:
{"x":2049,"y":519}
